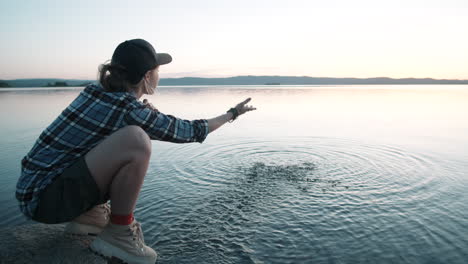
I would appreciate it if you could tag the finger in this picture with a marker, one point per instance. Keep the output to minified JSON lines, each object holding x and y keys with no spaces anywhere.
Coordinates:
{"x":246,"y":100}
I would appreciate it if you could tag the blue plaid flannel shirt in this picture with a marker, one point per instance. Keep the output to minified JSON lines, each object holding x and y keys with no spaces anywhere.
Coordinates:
{"x":90,"y":118}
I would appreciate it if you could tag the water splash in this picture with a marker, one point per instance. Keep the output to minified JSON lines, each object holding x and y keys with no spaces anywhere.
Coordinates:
{"x":301,"y":175}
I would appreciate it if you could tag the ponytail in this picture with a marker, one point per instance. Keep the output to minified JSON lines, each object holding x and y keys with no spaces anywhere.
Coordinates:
{"x":113,"y":78}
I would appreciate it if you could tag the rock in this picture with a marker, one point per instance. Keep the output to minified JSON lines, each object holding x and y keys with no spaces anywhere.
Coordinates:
{"x":40,"y":243}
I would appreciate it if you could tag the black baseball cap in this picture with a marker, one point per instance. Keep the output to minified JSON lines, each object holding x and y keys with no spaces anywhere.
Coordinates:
{"x":138,"y":56}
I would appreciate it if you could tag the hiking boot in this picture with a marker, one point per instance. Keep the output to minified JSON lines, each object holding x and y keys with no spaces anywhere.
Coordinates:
{"x":91,"y":222}
{"x":125,"y":242}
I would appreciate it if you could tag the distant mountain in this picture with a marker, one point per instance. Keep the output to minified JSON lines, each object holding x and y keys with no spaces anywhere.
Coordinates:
{"x":45,"y":82}
{"x":4,"y":84}
{"x":302,"y":80}
{"x":241,"y":80}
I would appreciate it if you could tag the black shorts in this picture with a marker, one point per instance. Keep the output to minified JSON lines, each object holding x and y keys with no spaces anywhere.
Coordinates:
{"x":69,"y":195}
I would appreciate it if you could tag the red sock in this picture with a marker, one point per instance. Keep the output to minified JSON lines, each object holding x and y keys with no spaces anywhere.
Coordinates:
{"x":121,"y":219}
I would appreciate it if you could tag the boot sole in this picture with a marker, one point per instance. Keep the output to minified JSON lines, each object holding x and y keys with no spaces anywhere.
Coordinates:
{"x":108,"y":250}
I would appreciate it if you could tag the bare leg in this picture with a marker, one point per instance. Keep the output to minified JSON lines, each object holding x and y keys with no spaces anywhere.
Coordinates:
{"x":119,"y":164}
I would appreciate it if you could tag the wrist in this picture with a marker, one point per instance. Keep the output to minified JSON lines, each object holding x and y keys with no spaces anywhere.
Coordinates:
{"x":229,"y":116}
{"x":234,"y":114}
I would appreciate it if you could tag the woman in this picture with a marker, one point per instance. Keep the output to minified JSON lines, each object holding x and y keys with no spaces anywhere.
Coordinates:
{"x":98,"y":149}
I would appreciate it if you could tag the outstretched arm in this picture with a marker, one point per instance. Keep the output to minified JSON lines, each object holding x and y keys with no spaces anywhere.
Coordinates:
{"x":216,"y":122}
{"x":169,"y":128}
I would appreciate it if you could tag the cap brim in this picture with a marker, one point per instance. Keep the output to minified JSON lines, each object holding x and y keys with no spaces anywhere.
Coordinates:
{"x":163,"y":58}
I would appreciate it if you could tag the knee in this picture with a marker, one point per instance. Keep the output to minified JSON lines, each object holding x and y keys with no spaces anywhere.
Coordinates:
{"x":137,"y":139}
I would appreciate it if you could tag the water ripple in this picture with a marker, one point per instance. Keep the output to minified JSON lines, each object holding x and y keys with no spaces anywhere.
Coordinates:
{"x":294,"y":200}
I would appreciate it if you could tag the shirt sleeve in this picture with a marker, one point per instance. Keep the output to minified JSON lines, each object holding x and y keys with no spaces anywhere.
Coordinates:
{"x":167,"y":127}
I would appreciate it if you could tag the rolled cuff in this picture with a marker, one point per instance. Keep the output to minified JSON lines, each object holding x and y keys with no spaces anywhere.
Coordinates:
{"x":202,"y":130}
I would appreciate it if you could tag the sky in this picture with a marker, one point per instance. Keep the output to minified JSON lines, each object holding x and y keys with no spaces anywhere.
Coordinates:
{"x":218,"y":38}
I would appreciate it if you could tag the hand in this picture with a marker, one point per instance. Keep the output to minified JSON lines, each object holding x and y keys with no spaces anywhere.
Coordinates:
{"x":150,"y":105}
{"x":242,"y":108}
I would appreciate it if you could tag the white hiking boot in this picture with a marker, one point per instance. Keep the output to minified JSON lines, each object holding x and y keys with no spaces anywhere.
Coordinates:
{"x":125,"y":242}
{"x":91,"y":222}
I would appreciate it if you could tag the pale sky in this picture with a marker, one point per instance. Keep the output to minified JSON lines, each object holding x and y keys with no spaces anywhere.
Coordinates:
{"x":217,"y":38}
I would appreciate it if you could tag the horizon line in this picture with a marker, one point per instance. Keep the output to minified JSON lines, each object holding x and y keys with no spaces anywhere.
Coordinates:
{"x":234,"y":76}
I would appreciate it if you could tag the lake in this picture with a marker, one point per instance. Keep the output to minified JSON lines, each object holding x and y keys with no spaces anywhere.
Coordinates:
{"x":318,"y":174}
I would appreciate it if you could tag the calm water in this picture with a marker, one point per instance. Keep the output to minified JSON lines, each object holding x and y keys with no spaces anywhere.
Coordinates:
{"x":335,"y":174}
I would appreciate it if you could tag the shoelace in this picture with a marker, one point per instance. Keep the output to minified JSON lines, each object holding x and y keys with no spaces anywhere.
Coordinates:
{"x":97,"y":211}
{"x":107,"y":209}
{"x":137,"y":234}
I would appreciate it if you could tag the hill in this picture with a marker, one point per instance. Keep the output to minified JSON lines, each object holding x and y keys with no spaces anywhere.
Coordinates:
{"x":45,"y":82}
{"x":242,"y":80}
{"x":300,"y":80}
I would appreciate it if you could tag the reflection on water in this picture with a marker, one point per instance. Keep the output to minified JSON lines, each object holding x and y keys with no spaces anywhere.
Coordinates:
{"x":315,"y":175}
